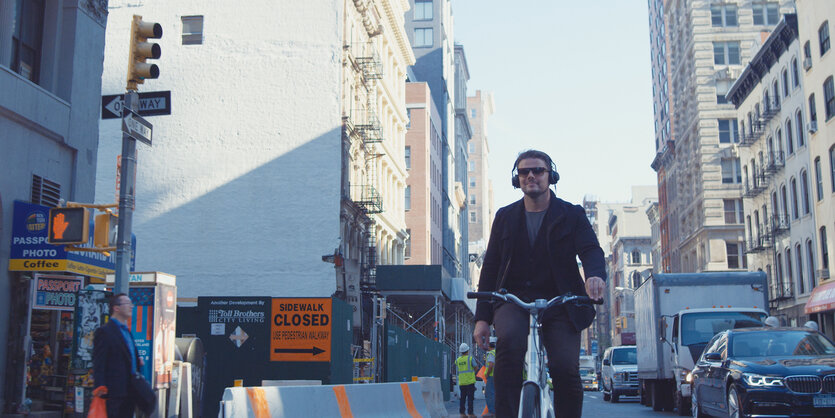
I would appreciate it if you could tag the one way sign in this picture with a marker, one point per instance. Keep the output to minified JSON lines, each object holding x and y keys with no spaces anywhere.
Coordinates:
{"x":151,"y":103}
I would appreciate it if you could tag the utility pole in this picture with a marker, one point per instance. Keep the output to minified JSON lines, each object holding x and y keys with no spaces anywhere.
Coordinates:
{"x":127,"y":198}
{"x":133,"y":128}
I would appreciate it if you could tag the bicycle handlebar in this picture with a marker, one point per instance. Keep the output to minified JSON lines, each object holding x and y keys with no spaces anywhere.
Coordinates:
{"x":558,"y":300}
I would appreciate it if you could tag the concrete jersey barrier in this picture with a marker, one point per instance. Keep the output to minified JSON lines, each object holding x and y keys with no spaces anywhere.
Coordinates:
{"x":357,"y":400}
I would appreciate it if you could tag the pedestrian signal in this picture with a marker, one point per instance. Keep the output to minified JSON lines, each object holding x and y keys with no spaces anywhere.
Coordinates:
{"x":106,"y":228}
{"x":68,"y":226}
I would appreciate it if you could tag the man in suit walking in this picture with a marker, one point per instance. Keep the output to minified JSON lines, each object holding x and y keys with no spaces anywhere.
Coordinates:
{"x":115,"y":358}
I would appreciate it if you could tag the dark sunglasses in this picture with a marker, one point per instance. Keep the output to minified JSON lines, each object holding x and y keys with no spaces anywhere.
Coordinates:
{"x":536,"y":170}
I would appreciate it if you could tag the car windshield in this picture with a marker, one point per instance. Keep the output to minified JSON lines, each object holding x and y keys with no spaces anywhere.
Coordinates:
{"x":586,"y":372}
{"x":625,"y":356}
{"x":700,"y":327}
{"x":780,"y":343}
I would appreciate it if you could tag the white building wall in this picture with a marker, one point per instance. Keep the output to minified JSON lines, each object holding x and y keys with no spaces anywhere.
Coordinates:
{"x":240,"y":193}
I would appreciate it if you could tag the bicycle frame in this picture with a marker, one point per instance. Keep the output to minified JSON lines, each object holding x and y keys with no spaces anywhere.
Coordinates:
{"x":535,"y":362}
{"x":535,"y":356}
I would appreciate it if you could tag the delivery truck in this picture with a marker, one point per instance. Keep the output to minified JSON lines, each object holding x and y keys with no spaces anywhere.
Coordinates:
{"x":676,"y":315}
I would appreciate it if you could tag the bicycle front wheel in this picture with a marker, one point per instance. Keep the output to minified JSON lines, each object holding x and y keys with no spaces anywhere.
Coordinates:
{"x":529,"y":402}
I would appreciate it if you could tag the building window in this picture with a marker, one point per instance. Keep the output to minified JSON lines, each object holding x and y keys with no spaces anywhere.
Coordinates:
{"x":472,"y":199}
{"x":810,"y":257}
{"x":789,"y":269}
{"x":471,"y":146}
{"x":733,"y":211}
{"x":829,"y":98}
{"x":408,"y":118}
{"x":407,"y":154}
{"x":801,"y":284}
{"x":824,"y":249}
{"x":823,"y":36}
{"x":779,"y":274}
{"x":775,"y":90}
{"x":766,"y":13}
{"x":472,"y":181}
{"x":636,"y":257}
{"x":27,"y":36}
{"x":795,"y":73}
{"x":804,"y":191}
{"x":785,"y":83}
{"x":726,"y":53}
{"x":473,"y":217}
{"x":731,"y":172}
{"x":408,"y":198}
{"x":192,"y":30}
{"x":471,"y":165}
{"x":789,"y":139}
{"x":795,"y":208}
{"x":423,"y":10}
{"x":832,"y":167}
{"x":813,"y":112}
{"x":408,"y":243}
{"x":801,"y":138}
{"x":818,"y":179}
{"x":472,"y":113}
{"x":735,"y":255}
{"x":728,"y":131}
{"x":423,"y":37}
{"x":723,"y":15}
{"x":785,"y":201}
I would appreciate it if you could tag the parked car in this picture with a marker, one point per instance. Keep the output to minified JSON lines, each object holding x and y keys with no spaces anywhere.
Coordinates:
{"x":765,"y":372}
{"x":620,"y":372}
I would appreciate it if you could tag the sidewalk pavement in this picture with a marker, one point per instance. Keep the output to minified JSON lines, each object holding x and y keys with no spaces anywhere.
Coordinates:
{"x":454,"y":403}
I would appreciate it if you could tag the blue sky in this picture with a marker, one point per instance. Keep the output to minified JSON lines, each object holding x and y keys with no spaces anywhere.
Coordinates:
{"x":571,"y":78}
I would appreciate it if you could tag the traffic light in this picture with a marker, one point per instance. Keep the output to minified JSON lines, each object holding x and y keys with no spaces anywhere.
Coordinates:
{"x":106,"y":227}
{"x":68,"y":226}
{"x":140,"y":50}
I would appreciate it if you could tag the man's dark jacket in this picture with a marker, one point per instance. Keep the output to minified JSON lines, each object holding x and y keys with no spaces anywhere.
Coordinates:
{"x":111,"y":360}
{"x":569,"y":234}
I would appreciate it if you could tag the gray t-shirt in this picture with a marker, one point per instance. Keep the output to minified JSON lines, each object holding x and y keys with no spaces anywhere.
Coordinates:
{"x":534,"y":221}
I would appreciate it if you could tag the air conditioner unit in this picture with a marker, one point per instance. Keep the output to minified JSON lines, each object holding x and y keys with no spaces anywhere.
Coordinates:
{"x":812,"y":126}
{"x":807,"y":63}
{"x":822,"y":274}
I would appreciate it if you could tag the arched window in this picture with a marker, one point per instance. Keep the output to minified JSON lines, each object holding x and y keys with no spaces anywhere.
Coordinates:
{"x":784,"y":201}
{"x":789,"y":141}
{"x":798,"y":120}
{"x":636,"y":257}
{"x":804,"y":191}
{"x":810,"y":256}
{"x":801,"y":282}
{"x":795,"y":208}
{"x":785,"y":83}
{"x":775,"y":91}
{"x":795,"y":73}
{"x":636,"y":279}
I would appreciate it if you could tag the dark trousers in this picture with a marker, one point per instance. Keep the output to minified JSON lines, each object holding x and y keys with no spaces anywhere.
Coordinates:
{"x":562,"y":343}
{"x":468,"y":394}
{"x":119,"y":407}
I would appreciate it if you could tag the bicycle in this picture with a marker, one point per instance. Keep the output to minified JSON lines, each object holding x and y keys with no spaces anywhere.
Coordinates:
{"x":535,"y":400}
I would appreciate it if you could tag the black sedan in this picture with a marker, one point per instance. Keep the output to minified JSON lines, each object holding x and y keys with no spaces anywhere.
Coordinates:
{"x":757,"y":372}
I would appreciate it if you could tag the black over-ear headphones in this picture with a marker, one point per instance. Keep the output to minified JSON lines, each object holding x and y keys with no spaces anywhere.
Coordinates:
{"x":553,"y":175}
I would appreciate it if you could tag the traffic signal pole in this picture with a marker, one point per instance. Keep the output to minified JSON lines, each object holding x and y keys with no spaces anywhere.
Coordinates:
{"x":127,"y":198}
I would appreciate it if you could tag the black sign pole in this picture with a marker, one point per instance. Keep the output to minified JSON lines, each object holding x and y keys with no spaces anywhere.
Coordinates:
{"x":126,"y":201}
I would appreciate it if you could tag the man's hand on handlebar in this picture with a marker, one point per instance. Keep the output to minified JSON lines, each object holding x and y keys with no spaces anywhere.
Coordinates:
{"x":595,"y":287}
{"x":481,"y":334}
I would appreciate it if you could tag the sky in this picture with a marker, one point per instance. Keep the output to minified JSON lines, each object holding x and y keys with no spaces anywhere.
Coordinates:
{"x":571,"y":78}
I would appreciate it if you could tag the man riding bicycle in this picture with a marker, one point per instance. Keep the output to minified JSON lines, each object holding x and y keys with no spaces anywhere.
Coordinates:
{"x":532,"y":253}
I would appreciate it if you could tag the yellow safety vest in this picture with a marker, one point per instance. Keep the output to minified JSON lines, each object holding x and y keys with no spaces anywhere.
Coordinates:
{"x":466,"y":374}
{"x":490,"y":372}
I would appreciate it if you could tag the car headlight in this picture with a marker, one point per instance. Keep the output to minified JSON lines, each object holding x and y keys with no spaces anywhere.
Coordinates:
{"x":686,"y":375}
{"x":618,"y":377}
{"x":760,"y":380}
{"x":689,"y":377}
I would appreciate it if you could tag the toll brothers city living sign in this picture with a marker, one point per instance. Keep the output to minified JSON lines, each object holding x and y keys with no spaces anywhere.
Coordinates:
{"x":30,"y":251}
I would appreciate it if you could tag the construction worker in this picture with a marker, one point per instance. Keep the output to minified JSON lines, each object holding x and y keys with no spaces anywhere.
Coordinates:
{"x":490,"y":362}
{"x":466,"y":366}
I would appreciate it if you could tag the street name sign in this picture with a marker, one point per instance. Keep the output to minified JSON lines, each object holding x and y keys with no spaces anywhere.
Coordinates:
{"x":136,"y":126}
{"x":301,"y":329}
{"x":151,"y":103}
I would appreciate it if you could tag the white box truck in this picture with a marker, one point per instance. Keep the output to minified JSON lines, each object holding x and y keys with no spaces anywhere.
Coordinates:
{"x":676,"y":315}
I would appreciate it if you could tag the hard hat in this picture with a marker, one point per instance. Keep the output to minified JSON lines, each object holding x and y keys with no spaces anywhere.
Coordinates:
{"x":811,"y":325}
{"x":772,"y":321}
{"x":493,"y":340}
{"x":464,"y":348}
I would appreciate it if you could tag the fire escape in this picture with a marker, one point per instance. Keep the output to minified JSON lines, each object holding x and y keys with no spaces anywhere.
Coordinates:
{"x":364,"y":125}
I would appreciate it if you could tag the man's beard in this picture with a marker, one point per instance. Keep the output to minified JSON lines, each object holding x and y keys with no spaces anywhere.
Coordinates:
{"x":534,"y":195}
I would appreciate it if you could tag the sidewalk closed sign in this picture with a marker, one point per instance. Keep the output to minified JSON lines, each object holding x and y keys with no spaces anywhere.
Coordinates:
{"x":301,"y":329}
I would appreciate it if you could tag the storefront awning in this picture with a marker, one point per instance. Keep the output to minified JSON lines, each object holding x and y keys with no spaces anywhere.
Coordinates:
{"x":822,"y":299}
